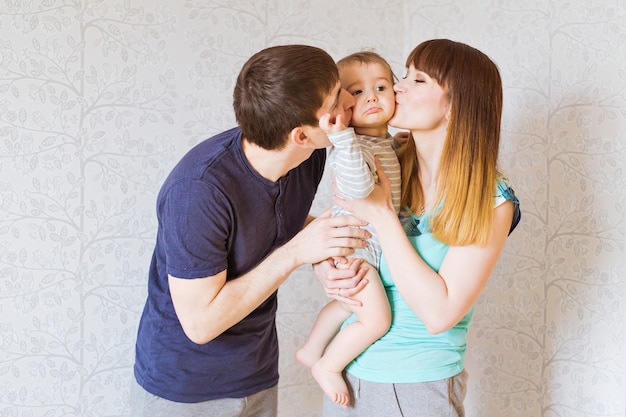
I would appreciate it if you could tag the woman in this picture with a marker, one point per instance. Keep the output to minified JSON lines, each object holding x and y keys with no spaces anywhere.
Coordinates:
{"x":438,"y":255}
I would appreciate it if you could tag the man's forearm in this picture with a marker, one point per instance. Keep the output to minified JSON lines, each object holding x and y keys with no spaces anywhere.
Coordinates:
{"x":240,"y":296}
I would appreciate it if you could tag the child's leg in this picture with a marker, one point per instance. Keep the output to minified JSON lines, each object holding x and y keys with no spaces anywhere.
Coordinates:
{"x":326,"y":325}
{"x":373,"y":321}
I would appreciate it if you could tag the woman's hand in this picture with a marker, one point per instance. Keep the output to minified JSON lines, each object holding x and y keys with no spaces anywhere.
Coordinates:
{"x":375,"y":205}
{"x":342,"y":283}
{"x":400,"y":139}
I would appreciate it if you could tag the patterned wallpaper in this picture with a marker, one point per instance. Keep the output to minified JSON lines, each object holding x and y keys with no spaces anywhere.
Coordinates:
{"x":99,"y":99}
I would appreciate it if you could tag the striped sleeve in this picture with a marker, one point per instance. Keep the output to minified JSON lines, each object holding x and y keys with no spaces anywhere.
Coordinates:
{"x":353,"y":175}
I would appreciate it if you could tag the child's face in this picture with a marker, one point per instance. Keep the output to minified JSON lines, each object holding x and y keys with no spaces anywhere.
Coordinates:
{"x":372,"y":88}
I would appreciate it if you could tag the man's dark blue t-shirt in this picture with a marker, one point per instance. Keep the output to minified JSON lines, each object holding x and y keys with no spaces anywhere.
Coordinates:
{"x":217,"y":213}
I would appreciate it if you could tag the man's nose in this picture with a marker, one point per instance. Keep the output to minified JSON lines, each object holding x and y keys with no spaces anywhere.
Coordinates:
{"x":348,"y":100}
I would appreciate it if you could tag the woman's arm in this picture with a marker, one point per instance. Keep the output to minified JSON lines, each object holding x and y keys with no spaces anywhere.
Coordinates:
{"x":441,"y":299}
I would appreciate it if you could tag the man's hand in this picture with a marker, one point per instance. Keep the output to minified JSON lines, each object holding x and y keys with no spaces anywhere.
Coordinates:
{"x":327,"y":237}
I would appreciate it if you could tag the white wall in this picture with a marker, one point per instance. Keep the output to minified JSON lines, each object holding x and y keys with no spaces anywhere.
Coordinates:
{"x":99,"y":99}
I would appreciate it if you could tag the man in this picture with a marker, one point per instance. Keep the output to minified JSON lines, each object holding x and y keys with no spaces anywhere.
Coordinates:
{"x":233,"y":225}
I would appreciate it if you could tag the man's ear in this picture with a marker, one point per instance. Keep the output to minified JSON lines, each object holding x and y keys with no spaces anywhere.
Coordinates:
{"x":298,"y":136}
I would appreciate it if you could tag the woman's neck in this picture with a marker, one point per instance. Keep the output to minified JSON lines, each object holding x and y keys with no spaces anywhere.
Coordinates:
{"x":429,"y":149}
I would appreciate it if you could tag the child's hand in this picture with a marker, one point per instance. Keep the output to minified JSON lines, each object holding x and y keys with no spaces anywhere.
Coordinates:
{"x":332,"y":126}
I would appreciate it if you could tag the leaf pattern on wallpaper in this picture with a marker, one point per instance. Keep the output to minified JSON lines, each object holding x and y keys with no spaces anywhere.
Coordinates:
{"x":76,"y":157}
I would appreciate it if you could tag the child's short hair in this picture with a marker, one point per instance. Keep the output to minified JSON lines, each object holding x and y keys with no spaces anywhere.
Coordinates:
{"x":280,"y":88}
{"x":366,"y":57}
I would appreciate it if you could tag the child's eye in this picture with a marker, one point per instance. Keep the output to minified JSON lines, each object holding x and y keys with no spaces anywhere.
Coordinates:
{"x":357,"y":92}
{"x":381,"y":88}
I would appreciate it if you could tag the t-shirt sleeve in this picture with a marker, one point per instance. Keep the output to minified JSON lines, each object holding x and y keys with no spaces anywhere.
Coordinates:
{"x":195,"y":222}
{"x":504,"y":192}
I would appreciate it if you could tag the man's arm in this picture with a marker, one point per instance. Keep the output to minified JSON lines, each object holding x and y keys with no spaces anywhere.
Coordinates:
{"x":206,"y":307}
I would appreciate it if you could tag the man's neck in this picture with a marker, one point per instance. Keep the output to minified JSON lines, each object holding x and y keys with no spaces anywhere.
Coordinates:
{"x":271,"y":165}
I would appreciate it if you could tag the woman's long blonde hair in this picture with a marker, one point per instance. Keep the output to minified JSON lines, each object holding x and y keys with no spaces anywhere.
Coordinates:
{"x":467,"y":175}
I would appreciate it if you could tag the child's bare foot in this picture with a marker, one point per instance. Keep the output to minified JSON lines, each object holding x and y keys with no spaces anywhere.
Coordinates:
{"x":332,"y":384}
{"x":305,"y":357}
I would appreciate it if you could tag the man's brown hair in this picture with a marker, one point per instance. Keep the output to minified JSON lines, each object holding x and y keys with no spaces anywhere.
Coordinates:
{"x":280,"y":88}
